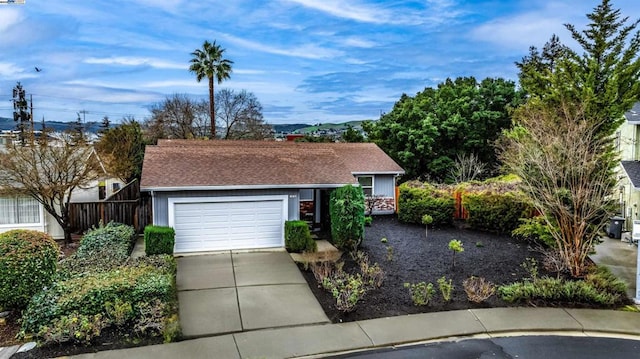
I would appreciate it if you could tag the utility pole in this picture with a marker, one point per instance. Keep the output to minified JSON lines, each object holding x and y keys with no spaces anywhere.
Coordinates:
{"x":20,"y":111}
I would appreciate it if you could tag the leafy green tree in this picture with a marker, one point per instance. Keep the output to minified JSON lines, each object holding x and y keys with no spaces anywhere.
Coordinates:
{"x":604,"y":78}
{"x":352,"y":135}
{"x":426,"y":133}
{"x":347,"y":207}
{"x":208,"y":62}
{"x":121,"y":148}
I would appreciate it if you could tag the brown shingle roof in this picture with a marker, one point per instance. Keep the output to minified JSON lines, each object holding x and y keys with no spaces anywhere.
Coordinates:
{"x":193,"y":163}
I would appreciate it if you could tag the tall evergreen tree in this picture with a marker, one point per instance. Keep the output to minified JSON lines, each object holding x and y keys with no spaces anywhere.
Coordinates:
{"x":604,"y":77}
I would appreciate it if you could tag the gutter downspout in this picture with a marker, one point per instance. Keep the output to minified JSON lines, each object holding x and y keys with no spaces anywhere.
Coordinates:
{"x":637,"y":298}
{"x":153,"y":207}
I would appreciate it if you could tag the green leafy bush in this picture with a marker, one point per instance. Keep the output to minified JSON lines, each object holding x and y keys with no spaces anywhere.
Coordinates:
{"x":372,"y":274}
{"x":599,"y":287}
{"x":347,"y":217}
{"x":297,"y":237}
{"x":368,"y":220}
{"x":421,"y":293}
{"x":159,"y":240}
{"x":417,"y":198}
{"x":78,"y":328}
{"x":535,"y":229}
{"x":496,"y":211}
{"x":107,"y":293}
{"x":27,"y":264}
{"x":455,"y":246}
{"x":347,"y":289}
{"x":101,"y":249}
{"x":446,"y":287}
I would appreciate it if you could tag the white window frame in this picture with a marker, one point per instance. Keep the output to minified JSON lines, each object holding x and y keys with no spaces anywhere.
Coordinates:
{"x":33,"y":224}
{"x":366,"y":187}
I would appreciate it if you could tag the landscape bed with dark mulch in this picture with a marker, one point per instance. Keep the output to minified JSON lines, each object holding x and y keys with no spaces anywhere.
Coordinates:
{"x":416,"y":258}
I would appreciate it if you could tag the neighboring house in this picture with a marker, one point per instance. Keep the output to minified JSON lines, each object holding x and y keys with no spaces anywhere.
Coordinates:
{"x":24,"y":212}
{"x":220,"y":195}
{"x":628,"y":143}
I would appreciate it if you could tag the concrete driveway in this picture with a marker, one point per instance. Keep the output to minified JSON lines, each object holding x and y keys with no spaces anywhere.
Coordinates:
{"x":238,"y":291}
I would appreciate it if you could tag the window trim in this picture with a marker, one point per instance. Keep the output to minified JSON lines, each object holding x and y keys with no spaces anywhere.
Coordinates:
{"x":40,"y":223}
{"x":372,"y":186}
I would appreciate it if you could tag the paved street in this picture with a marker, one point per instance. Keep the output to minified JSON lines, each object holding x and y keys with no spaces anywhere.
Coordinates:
{"x":525,"y":347}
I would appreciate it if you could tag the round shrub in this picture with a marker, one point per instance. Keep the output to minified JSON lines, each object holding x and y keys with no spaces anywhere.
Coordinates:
{"x":27,"y":264}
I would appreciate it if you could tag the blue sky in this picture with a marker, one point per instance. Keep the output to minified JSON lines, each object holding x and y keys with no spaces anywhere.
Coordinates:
{"x":307,"y":61}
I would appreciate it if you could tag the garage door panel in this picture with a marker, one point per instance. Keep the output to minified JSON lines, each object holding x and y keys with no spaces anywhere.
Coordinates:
{"x":239,"y":223}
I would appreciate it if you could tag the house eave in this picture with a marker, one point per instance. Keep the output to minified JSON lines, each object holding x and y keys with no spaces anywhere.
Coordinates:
{"x":360,"y":173}
{"x":637,"y":188}
{"x":243,"y":187}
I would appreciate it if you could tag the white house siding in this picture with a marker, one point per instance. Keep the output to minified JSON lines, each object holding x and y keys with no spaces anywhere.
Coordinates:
{"x":48,"y":225}
{"x":91,"y":192}
{"x":627,"y":195}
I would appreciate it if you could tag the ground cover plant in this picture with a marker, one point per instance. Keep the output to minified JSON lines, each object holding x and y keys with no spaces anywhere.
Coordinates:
{"x":102,"y":299}
{"x":422,"y":263}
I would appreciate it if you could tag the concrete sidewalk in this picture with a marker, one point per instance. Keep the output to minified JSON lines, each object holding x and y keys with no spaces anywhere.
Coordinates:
{"x":316,"y":340}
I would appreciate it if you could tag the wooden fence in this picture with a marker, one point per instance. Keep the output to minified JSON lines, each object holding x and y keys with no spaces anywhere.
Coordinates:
{"x":136,"y":211}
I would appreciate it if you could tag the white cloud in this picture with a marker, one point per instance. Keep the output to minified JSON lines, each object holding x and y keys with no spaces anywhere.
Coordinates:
{"x":520,"y":32}
{"x":11,"y":71}
{"x":8,"y":18}
{"x":308,"y":51}
{"x":433,"y":12}
{"x":358,"y":42}
{"x":168,"y":6}
{"x":135,"y":61}
{"x":171,"y":83}
{"x":347,"y":10}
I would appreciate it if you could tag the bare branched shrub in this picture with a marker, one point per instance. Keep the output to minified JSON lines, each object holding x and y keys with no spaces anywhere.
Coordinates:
{"x":567,"y":169}
{"x":553,"y":261}
{"x":322,"y":270}
{"x":478,"y":289}
{"x":372,"y":274}
{"x":467,"y":168}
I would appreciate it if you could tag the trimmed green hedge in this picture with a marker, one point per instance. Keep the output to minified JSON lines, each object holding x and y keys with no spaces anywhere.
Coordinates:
{"x":346,"y":207}
{"x":159,"y":240}
{"x":27,"y":264}
{"x":101,"y":249}
{"x":125,"y":297}
{"x":297,"y":237}
{"x":417,"y":199}
{"x":496,"y":212}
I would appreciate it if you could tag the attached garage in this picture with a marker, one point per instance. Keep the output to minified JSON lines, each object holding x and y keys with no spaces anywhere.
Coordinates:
{"x":223,"y":223}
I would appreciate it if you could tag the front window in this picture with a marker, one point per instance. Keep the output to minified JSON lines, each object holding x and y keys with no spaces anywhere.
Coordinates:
{"x":366,"y":182}
{"x":19,"y":210}
{"x":306,"y":195}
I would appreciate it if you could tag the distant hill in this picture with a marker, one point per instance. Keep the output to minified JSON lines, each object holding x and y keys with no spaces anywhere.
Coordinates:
{"x":288,"y":128}
{"x":57,"y":126}
{"x":334,"y":126}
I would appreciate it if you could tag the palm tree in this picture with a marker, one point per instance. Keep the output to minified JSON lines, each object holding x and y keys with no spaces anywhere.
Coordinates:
{"x":208,"y":62}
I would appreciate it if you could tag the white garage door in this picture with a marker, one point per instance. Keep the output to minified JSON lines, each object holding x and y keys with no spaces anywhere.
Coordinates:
{"x":228,"y":223}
